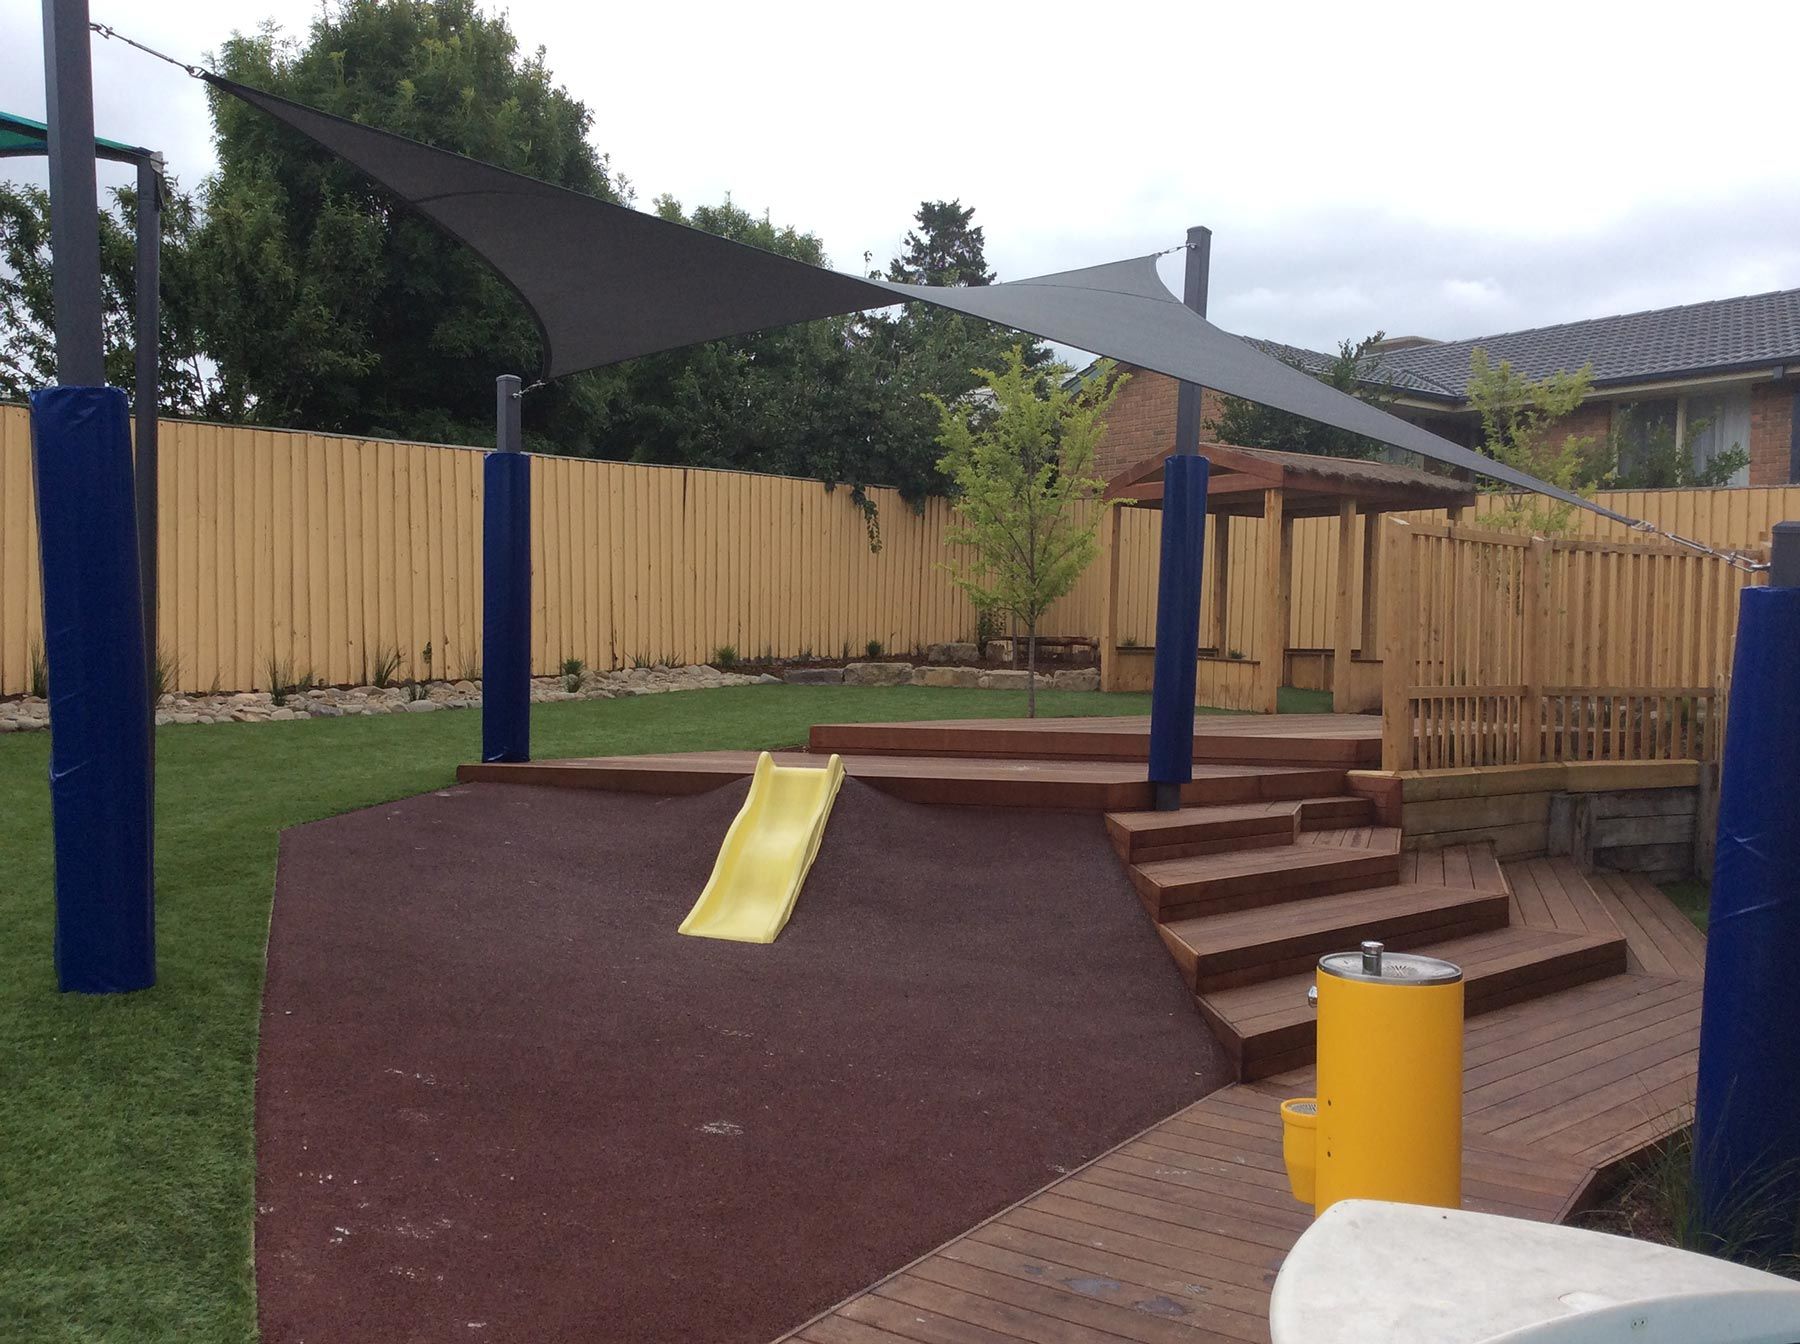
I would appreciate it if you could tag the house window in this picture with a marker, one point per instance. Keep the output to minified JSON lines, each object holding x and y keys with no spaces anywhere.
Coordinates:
{"x":1705,"y":425}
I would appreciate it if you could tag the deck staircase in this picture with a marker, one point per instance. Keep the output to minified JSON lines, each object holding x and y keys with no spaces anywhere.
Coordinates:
{"x":1248,"y":896}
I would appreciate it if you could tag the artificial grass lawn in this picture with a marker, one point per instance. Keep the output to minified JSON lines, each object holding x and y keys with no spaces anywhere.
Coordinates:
{"x":126,"y":1121}
{"x":1693,"y":898}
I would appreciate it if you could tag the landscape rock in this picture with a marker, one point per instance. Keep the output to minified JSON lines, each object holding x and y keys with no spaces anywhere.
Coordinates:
{"x":814,"y":676}
{"x":955,"y":653}
{"x":966,"y":677}
{"x":1006,"y":681}
{"x":423,"y":706}
{"x":1000,"y":650}
{"x":1082,"y":679}
{"x":877,"y":674}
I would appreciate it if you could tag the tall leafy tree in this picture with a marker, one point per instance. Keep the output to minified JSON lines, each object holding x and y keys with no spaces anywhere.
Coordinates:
{"x":1356,"y":369}
{"x":947,"y":248}
{"x":326,"y":305}
{"x":1027,"y":500}
{"x":187,"y":380}
{"x":921,"y":352}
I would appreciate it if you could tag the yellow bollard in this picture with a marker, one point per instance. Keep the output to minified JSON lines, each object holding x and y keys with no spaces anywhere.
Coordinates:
{"x":1389,"y":1105}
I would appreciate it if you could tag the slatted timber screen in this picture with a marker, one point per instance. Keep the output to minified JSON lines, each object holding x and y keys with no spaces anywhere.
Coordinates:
{"x":1501,"y":650}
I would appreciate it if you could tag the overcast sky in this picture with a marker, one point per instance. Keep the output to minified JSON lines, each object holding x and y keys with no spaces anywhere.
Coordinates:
{"x":1432,"y":169}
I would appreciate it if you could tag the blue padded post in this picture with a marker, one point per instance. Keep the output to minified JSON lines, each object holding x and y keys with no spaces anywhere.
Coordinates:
{"x":99,"y":733}
{"x":1177,"y":622}
{"x":1747,"y":1110}
{"x":506,"y":608}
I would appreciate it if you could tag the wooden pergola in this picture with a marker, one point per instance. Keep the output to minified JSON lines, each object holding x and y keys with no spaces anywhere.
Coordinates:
{"x":1263,"y":483}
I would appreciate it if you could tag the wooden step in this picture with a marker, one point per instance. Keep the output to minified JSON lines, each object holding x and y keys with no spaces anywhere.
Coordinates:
{"x":1094,"y":785}
{"x":1349,"y":809}
{"x":1248,"y":946}
{"x":1142,"y":837}
{"x":1267,"y":1027}
{"x":1211,"y":884}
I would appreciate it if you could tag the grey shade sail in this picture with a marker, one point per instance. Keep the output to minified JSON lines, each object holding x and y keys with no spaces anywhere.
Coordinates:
{"x":607,"y":283}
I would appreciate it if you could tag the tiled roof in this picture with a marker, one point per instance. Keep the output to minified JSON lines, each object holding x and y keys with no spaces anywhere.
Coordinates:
{"x":1723,"y":334}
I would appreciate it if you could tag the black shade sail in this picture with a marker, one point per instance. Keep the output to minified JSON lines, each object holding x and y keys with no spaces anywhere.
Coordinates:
{"x":607,"y":283}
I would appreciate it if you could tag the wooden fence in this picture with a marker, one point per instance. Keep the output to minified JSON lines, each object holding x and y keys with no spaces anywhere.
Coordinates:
{"x":323,"y":553}
{"x":1499,"y":649}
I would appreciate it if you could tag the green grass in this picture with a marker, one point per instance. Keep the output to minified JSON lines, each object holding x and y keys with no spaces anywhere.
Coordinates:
{"x":1692,"y":897}
{"x":1293,"y":700}
{"x":125,"y":1189}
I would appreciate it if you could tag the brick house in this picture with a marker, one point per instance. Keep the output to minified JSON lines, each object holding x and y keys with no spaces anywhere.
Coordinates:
{"x":1730,"y":367}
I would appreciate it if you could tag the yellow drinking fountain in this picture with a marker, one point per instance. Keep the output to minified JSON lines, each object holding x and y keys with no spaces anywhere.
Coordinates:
{"x":1387,"y":1120}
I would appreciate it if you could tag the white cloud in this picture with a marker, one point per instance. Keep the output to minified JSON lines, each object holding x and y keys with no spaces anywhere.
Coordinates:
{"x":1433,"y":171}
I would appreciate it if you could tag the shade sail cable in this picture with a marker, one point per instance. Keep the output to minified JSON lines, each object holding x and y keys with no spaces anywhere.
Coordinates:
{"x":606,"y":283}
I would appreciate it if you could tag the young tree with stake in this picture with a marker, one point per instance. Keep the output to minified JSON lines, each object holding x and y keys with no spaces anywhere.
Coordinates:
{"x":1026,"y":497}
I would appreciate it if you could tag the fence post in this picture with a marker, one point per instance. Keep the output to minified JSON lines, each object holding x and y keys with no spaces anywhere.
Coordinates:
{"x":1397,"y":653}
{"x":1534,"y":615}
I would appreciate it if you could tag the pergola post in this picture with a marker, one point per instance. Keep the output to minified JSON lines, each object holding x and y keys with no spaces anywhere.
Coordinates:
{"x":1109,"y":602}
{"x":1370,"y":644}
{"x":1278,"y":555}
{"x":1221,"y":582}
{"x":1342,"y":643}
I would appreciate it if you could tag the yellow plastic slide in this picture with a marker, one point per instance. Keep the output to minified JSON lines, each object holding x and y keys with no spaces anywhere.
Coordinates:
{"x":767,"y":853}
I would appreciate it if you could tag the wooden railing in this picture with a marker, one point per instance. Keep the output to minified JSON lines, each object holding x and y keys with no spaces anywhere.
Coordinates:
{"x":1503,"y":650}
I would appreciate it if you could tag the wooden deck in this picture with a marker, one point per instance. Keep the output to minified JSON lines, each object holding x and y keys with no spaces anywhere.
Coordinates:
{"x":1175,"y":1236}
{"x":1583,"y":997}
{"x":1350,"y":741}
{"x":1087,"y":785}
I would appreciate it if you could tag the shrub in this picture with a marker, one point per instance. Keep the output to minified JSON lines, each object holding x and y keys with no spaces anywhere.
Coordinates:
{"x":873,"y":648}
{"x":165,"y":673}
{"x":387,"y":663}
{"x":572,"y":668}
{"x":725,"y":656}
{"x":40,"y":673}
{"x":280,"y":679}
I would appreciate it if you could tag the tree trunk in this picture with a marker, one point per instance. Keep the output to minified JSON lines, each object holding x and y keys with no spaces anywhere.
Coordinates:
{"x":1031,"y":670}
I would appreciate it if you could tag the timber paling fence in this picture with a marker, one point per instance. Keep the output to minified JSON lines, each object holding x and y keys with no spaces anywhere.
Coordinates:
{"x":318,"y":553}
{"x":1500,"y":649}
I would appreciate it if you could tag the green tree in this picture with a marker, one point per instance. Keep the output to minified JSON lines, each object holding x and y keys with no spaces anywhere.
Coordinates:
{"x":1021,"y":461}
{"x":187,"y":381}
{"x":1648,"y":456}
{"x":1356,"y":369}
{"x":947,"y":248}
{"x":917,"y":352}
{"x":326,"y":306}
{"x":1520,"y":419}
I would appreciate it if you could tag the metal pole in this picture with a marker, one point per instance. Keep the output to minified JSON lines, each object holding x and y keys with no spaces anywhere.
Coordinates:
{"x":1193,"y":294}
{"x":74,"y":195}
{"x":1784,"y":556}
{"x":506,"y":584}
{"x":148,"y":320}
{"x":1178,"y":581}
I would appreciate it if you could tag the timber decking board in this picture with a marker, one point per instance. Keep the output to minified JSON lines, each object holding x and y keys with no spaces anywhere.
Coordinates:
{"x":1663,"y":940}
{"x":1075,"y":785}
{"x":1228,"y":950}
{"x":1270,"y":1021}
{"x":1260,"y":876}
{"x":1346,"y":740}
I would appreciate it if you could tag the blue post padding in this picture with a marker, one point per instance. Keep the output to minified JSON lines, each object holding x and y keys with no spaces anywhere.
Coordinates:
{"x":1747,"y":1108}
{"x":99,"y":721}
{"x":506,"y":609}
{"x":1178,"y":619}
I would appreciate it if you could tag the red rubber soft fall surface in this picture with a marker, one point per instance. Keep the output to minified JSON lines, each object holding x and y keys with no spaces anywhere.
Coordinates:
{"x":500,"y":1098}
